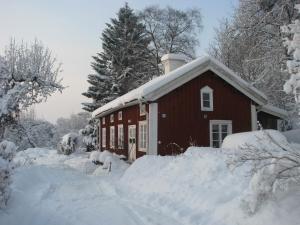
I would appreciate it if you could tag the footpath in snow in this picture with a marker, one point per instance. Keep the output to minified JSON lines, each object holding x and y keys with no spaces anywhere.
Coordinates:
{"x":196,"y":187}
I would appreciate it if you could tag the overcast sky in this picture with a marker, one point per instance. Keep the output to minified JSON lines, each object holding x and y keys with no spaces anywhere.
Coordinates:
{"x":72,"y":29}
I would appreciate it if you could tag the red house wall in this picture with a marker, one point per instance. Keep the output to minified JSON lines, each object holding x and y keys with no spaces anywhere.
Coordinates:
{"x":184,"y":121}
{"x":131,"y":116}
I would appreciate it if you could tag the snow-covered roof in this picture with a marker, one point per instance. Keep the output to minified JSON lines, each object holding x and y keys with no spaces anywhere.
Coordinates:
{"x":275,"y":111}
{"x":162,"y":85}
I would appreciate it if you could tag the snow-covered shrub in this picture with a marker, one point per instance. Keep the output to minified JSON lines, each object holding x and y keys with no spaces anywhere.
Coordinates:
{"x":30,"y":133}
{"x":69,"y":143}
{"x":7,"y":152}
{"x":94,"y":156}
{"x":274,"y":163}
{"x":89,"y":136}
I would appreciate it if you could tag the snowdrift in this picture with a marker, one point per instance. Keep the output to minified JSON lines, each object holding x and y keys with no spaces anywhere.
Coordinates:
{"x":293,"y":135}
{"x":197,"y":187}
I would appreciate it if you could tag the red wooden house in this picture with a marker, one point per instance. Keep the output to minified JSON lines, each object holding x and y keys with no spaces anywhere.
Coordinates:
{"x":197,"y":103}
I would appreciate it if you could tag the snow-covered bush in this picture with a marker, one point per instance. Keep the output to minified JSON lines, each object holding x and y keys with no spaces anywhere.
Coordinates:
{"x":89,"y":136}
{"x":274,"y":163}
{"x":69,"y":143}
{"x":29,"y":133}
{"x":7,"y":152}
{"x":94,"y":156}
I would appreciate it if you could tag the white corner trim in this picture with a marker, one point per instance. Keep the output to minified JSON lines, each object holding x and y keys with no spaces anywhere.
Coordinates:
{"x":209,"y":91}
{"x":152,"y":127}
{"x":253,"y":117}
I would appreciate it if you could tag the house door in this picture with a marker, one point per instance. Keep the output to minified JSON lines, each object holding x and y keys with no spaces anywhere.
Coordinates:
{"x":131,"y":143}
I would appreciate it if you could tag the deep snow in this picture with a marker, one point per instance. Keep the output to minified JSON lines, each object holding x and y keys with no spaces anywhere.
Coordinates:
{"x":196,"y":187}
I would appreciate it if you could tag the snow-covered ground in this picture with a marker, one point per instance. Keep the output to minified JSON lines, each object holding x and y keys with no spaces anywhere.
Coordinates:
{"x":196,"y":187}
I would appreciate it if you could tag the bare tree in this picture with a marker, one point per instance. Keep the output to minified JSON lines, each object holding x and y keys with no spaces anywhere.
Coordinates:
{"x":172,"y":30}
{"x":28,"y":75}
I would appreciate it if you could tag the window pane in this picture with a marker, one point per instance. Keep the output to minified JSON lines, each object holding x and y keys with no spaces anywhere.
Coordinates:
{"x":205,"y":96}
{"x":215,"y":128}
{"x":216,"y":144}
{"x":224,"y":128}
{"x":215,"y":136}
{"x":206,"y":104}
{"x":224,"y":135}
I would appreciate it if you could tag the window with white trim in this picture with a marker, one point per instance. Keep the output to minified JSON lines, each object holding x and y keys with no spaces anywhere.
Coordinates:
{"x":120,"y":115}
{"x":120,"y":136}
{"x":112,"y":137}
{"x":112,"y":118}
{"x":103,"y":137}
{"x":142,"y":109}
{"x":219,"y":129}
{"x":103,"y":120}
{"x":143,"y":136}
{"x":207,"y":101}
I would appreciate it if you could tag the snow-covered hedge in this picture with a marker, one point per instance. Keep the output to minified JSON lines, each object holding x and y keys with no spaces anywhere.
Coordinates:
{"x":70,"y":143}
{"x":7,"y":152}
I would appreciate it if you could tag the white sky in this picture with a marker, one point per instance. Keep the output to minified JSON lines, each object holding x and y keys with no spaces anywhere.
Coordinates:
{"x":72,"y":29}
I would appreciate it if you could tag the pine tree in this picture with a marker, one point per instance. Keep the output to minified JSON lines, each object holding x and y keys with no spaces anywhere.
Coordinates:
{"x":125,"y":61}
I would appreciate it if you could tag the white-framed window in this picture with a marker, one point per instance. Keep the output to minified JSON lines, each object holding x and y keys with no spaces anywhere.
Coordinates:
{"x":120,"y":136}
{"x":207,"y":100}
{"x":112,"y":137}
{"x":103,"y":120}
{"x":120,"y":115}
{"x":143,"y":136}
{"x":103,"y":137}
{"x":142,"y":109}
{"x":219,"y":129}
{"x":112,"y":118}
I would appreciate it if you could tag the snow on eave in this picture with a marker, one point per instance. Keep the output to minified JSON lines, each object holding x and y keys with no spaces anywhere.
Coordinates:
{"x":275,"y":111}
{"x":163,"y":84}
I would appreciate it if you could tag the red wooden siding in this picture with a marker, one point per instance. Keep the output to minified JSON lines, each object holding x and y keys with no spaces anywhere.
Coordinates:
{"x":130,"y":116}
{"x":185,"y":123}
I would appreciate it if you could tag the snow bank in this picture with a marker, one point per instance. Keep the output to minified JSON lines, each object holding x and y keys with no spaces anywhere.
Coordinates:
{"x":263,"y":139}
{"x":40,"y":156}
{"x":292,"y":135}
{"x":197,"y":187}
{"x":112,"y":163}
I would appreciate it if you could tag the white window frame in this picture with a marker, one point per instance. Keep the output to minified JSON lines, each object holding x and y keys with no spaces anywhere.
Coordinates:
{"x":143,"y":136}
{"x":103,"y":120}
{"x":219,"y":123}
{"x":112,"y":137}
{"x":111,"y":118}
{"x":120,"y":115}
{"x":120,"y":136}
{"x":104,"y":137}
{"x":142,"y":109}
{"x":209,"y":91}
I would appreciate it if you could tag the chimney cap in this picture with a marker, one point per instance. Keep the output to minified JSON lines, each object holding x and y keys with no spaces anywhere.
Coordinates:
{"x":173,"y":56}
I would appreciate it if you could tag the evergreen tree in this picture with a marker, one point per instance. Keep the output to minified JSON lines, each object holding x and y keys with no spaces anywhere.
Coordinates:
{"x":125,"y":61}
